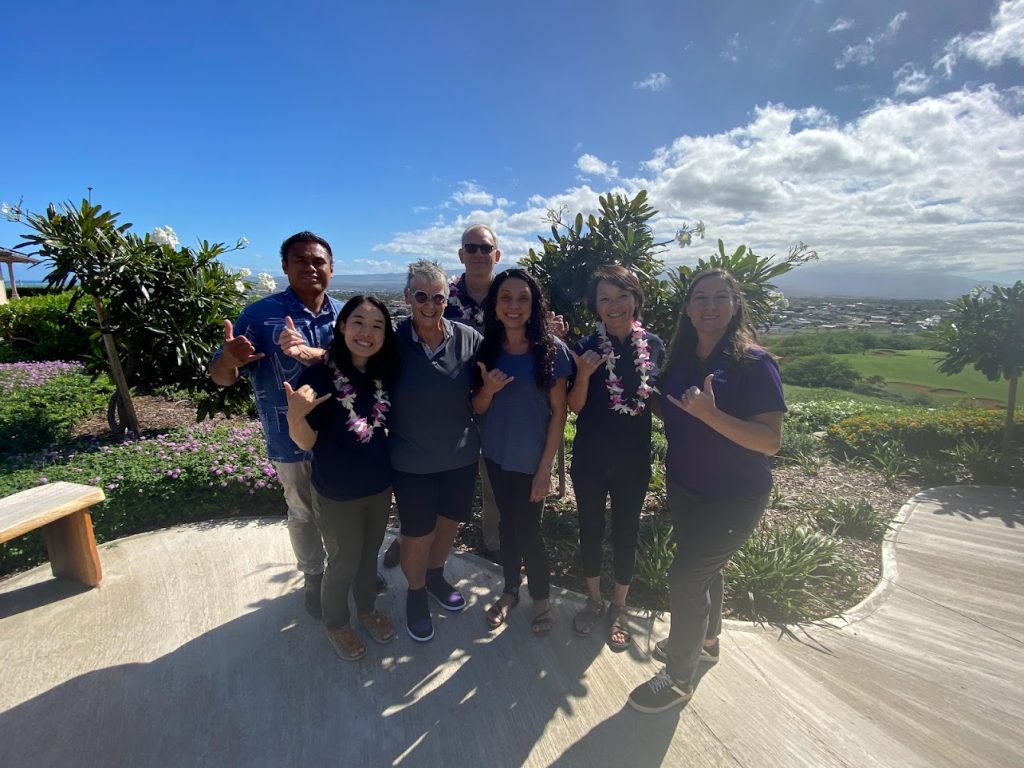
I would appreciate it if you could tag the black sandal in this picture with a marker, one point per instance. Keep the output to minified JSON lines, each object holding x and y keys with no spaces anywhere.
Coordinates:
{"x":618,"y":626}
{"x":497,"y":614}
{"x":541,"y":623}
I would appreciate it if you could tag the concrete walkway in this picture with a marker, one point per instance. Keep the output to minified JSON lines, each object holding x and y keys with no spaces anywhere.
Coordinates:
{"x":196,"y":651}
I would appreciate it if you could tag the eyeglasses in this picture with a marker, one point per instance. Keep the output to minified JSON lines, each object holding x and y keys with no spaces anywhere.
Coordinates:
{"x":485,"y":248}
{"x":422,"y":297}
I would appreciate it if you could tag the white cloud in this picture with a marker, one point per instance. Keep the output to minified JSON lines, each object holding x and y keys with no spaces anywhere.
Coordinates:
{"x":1002,"y":41}
{"x":935,"y":183}
{"x":732,"y":49}
{"x":840,"y":24}
{"x":471,"y":194}
{"x":911,"y":81}
{"x":656,"y":81}
{"x":590,"y":165}
{"x":863,"y":54}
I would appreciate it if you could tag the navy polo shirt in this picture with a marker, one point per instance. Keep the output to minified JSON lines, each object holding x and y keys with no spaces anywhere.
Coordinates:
{"x":602,"y":432}
{"x":700,"y":459}
{"x":431,"y":426}
{"x":343,"y":467}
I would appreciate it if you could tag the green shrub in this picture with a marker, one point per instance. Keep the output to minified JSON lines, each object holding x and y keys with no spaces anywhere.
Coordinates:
{"x":198,"y":473}
{"x":779,"y":574}
{"x":820,"y":371}
{"x":818,"y":415}
{"x":41,"y":402}
{"x":654,"y":553}
{"x":41,"y":327}
{"x":859,"y":519}
{"x":918,"y":430}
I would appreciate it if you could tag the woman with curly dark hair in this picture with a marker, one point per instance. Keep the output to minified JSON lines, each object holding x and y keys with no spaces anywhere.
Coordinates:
{"x":521,"y":392}
{"x":723,"y":410}
{"x":339,"y":411}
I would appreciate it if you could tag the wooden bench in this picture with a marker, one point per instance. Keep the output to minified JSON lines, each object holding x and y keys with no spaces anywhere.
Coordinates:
{"x":62,"y":511}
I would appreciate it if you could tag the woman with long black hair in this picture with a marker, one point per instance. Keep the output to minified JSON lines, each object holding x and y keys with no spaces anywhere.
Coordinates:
{"x":521,"y":393}
{"x":723,"y":414}
{"x":339,"y":411}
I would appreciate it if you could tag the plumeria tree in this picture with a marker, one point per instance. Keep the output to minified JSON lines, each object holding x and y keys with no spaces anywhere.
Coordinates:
{"x":160,"y":306}
{"x":986,"y":331}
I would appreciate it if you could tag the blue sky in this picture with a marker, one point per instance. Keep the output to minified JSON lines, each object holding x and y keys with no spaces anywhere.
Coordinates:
{"x":884,"y":134}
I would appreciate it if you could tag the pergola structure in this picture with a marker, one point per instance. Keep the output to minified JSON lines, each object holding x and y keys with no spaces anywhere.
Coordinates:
{"x":10,"y":258}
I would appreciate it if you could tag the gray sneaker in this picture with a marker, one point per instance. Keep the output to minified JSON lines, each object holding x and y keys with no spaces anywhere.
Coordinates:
{"x":311,"y":594}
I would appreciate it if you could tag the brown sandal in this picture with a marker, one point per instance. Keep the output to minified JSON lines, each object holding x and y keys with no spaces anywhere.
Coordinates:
{"x":498,"y":613}
{"x":346,"y":643}
{"x":379,"y":626}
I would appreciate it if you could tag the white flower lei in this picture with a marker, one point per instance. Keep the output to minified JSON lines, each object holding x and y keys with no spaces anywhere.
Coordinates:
{"x":358,"y":425}
{"x":642,"y":362}
{"x":473,"y":315}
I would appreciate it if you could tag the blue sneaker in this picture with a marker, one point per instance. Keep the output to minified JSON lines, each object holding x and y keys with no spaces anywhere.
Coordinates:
{"x":447,"y":596}
{"x":417,"y":616}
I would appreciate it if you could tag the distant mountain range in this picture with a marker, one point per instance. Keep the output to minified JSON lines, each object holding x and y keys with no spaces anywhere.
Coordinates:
{"x":808,"y":280}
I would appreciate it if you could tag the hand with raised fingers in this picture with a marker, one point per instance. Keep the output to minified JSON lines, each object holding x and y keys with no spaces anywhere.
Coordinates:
{"x":302,"y":400}
{"x":238,"y":350}
{"x":556,"y":325}
{"x":697,"y":402}
{"x":494,"y":380}
{"x":291,"y":340}
{"x":588,"y":362}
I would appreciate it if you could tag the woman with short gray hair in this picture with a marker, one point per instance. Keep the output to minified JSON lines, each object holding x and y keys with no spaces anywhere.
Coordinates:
{"x":434,"y":442}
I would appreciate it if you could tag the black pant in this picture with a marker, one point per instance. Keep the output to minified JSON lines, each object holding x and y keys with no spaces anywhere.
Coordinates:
{"x":519,"y":529}
{"x":593,"y":482}
{"x":708,"y":531}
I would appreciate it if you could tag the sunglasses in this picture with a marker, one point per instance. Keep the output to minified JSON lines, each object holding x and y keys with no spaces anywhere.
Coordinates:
{"x":422,"y":297}
{"x":471,"y":248}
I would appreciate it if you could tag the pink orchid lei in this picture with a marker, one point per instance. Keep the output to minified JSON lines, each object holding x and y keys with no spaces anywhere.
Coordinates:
{"x":358,"y":425}
{"x":473,"y":315}
{"x":642,"y":363}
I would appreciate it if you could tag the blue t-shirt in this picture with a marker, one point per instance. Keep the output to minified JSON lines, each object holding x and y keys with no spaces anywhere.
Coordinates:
{"x":702,"y":460}
{"x":345,"y":468}
{"x":262,"y":322}
{"x":515,"y":427}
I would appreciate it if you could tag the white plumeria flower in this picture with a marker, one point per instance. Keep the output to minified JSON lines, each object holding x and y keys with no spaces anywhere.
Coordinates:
{"x":164,"y":236}
{"x":242,"y":242}
{"x":240,"y":286}
{"x":267,"y":283}
{"x":244,"y":272}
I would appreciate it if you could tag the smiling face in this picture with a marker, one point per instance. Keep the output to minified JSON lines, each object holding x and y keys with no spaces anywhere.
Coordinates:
{"x":363,"y":333}
{"x":616,"y":307}
{"x":711,"y":307}
{"x":479,"y":264}
{"x":513,"y":302}
{"x":428,"y":314}
{"x":309,"y":270}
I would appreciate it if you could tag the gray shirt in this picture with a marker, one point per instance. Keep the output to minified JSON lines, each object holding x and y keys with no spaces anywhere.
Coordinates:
{"x":431,"y":424}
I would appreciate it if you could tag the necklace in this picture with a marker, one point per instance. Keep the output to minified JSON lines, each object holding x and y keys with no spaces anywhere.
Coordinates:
{"x":359,"y":425}
{"x":642,"y":363}
{"x":470,"y":314}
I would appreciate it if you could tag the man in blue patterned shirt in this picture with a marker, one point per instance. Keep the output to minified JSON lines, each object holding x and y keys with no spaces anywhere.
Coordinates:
{"x":271,"y":343}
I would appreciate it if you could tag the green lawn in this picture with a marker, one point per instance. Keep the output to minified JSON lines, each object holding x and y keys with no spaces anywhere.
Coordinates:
{"x":913,"y":371}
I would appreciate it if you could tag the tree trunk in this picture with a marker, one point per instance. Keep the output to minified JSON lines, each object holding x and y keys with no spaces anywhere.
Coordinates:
{"x":115,"y":368}
{"x":1011,"y":403}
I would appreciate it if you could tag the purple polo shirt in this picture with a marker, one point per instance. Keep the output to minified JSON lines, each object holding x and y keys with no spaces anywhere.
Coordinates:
{"x":701,"y":460}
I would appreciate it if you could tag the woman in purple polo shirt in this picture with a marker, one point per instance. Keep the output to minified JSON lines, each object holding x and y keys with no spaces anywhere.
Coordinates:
{"x":723,"y":414}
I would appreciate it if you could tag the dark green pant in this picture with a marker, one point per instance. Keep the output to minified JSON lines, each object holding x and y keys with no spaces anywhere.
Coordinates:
{"x":352,"y":533}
